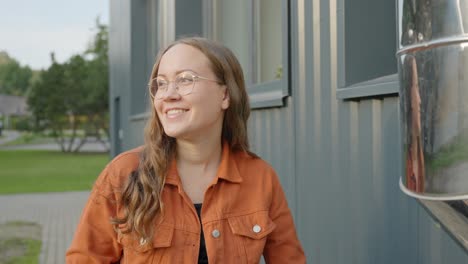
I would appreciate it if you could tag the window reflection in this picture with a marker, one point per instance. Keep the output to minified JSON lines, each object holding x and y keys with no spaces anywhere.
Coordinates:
{"x":269,"y":42}
{"x":253,"y":31}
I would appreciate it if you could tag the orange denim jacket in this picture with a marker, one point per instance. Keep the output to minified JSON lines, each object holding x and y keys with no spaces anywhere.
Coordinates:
{"x":244,"y":215}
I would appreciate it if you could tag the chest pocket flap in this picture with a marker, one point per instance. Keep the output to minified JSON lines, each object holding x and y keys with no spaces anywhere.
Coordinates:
{"x":255,"y":225}
{"x":162,"y":238}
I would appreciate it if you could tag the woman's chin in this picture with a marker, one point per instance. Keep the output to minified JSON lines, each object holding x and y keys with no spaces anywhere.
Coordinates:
{"x":172,"y":134}
{"x":177,"y":134}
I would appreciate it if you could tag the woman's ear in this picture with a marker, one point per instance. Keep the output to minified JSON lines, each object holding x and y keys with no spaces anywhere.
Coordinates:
{"x":225,"y":102}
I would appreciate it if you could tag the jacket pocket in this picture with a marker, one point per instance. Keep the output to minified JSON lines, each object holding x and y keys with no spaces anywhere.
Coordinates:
{"x":142,"y":251}
{"x":251,"y":232}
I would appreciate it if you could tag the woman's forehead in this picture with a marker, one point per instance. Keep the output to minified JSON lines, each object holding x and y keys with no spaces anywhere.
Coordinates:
{"x":182,"y":56}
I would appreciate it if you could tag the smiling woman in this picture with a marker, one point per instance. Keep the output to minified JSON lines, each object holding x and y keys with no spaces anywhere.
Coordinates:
{"x":194,"y":193}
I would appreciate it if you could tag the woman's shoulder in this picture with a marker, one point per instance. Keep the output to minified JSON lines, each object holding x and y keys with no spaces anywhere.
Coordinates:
{"x":250,"y":163}
{"x":127,"y":159}
{"x":118,"y":170}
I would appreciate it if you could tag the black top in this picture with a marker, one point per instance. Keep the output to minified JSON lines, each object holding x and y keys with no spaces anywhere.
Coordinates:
{"x":202,"y":257}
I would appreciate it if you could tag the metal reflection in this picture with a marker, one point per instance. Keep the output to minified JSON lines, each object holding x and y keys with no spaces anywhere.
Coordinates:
{"x":434,"y":99}
{"x":433,"y":72}
{"x":434,"y":115}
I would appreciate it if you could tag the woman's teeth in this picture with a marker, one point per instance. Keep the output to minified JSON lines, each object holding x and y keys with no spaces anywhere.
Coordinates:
{"x":175,"y":111}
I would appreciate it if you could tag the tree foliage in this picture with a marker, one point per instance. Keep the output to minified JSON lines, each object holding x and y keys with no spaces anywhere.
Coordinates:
{"x":14,"y":78}
{"x":97,"y":81}
{"x":73,"y":95}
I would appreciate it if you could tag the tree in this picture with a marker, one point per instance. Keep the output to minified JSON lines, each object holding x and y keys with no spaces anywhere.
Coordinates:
{"x":14,"y":78}
{"x":97,"y":82}
{"x":75,"y":74}
{"x":46,"y":101}
{"x":4,"y":57}
{"x":74,"y":95}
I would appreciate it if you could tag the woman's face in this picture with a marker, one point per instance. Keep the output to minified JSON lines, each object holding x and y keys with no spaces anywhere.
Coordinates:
{"x":198,"y":115}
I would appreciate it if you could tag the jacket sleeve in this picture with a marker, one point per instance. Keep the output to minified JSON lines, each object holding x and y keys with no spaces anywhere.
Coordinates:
{"x":95,"y":240}
{"x":282,"y":244}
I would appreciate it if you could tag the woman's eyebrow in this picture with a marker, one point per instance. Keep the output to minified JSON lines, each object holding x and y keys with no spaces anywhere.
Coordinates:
{"x":177,"y":72}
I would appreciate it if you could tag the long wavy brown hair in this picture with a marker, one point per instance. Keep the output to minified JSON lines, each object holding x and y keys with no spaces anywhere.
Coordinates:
{"x":141,"y":197}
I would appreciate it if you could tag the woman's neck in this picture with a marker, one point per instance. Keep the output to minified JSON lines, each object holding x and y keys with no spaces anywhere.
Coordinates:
{"x":204,"y":153}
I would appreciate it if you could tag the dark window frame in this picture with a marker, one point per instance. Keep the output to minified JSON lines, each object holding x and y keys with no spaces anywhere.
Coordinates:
{"x":262,"y":95}
{"x":381,"y":86}
{"x":271,"y":93}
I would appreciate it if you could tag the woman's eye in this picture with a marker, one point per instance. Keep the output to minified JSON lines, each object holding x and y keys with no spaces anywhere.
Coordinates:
{"x":161,"y":83}
{"x":184,"y":80}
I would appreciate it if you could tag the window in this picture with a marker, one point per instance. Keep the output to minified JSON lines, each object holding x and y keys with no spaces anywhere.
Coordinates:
{"x":257,"y":31}
{"x":144,"y":48}
{"x":188,"y":19}
{"x":252,"y":30}
{"x":268,"y":45}
{"x":368,"y":47}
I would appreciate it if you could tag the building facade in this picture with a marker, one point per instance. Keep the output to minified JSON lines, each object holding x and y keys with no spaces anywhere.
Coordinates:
{"x":323,"y":84}
{"x":12,"y":106}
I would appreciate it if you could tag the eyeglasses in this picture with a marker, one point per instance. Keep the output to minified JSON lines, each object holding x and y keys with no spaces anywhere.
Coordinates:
{"x":184,"y":83}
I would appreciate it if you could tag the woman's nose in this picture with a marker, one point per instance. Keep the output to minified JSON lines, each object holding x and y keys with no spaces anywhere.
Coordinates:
{"x":172,"y":92}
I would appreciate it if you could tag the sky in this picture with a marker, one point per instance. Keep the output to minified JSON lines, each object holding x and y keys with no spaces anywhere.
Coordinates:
{"x":31,"y":29}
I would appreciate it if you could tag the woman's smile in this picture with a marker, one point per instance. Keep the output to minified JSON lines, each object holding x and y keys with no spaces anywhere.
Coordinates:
{"x":175,"y":112}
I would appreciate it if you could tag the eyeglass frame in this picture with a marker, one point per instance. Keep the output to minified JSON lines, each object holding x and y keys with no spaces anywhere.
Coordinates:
{"x":195,"y":77}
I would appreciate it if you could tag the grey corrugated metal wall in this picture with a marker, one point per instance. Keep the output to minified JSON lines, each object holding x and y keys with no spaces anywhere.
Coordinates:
{"x":338,"y":160}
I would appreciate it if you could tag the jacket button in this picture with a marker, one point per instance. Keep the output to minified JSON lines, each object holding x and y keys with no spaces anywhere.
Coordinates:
{"x":215,"y":233}
{"x":257,"y":229}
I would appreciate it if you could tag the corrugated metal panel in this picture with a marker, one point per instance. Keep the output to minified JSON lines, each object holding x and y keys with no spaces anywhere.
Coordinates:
{"x":348,"y":206}
{"x":435,"y":245}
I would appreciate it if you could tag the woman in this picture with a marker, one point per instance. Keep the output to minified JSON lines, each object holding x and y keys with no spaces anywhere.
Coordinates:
{"x":193,"y":193}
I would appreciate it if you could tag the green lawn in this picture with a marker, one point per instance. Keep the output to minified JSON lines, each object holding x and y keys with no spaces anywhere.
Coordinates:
{"x":26,"y":171}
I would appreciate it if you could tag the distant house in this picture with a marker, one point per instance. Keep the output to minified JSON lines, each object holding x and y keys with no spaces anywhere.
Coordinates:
{"x":10,"y":106}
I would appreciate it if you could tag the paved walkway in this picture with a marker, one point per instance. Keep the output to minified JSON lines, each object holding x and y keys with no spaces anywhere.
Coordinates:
{"x":57,"y":213}
{"x":88,"y":147}
{"x":92,"y":145}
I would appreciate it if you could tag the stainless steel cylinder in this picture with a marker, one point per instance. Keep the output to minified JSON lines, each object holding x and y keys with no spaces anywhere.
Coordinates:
{"x":433,"y":71}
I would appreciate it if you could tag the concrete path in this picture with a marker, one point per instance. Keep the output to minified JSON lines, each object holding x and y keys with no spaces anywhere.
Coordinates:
{"x":57,"y":213}
{"x":88,"y":147}
{"x":92,"y":145}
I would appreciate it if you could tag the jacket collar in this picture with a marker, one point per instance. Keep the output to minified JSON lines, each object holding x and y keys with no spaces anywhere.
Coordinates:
{"x":227,"y":169}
